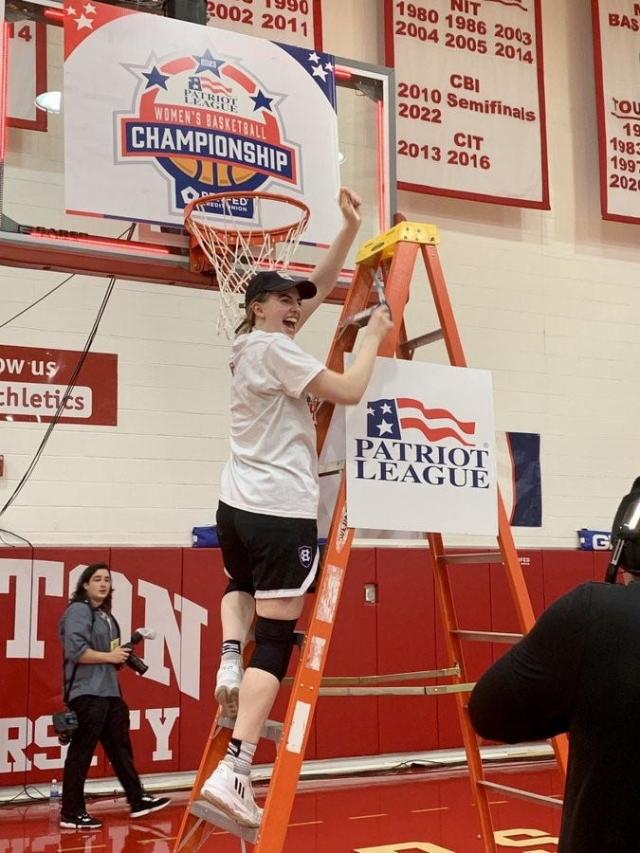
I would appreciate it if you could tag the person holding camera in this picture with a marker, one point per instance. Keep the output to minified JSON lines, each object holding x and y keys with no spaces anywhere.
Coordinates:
{"x":93,"y":654}
{"x":578,"y":671}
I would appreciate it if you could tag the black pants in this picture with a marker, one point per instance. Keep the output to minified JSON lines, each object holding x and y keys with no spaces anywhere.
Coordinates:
{"x":105,"y":720}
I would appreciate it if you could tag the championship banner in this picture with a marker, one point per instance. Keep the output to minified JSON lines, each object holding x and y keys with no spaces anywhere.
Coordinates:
{"x":27,"y":58}
{"x":290,"y":21}
{"x":420,"y":452}
{"x":160,"y":112}
{"x":616,"y":25}
{"x":33,"y":382}
{"x":470,"y":113}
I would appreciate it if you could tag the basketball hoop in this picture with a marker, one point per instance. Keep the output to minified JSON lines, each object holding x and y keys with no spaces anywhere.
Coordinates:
{"x":235,"y":247}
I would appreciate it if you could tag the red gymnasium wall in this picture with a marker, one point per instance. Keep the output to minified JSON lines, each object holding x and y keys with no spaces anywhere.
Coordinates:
{"x":177,"y":592}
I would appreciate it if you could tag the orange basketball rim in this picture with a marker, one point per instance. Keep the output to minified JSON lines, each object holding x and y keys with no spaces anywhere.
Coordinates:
{"x":234,"y":234}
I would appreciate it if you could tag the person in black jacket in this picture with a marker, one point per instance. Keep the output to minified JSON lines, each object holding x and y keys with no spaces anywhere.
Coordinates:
{"x":93,"y":653}
{"x":578,"y":671}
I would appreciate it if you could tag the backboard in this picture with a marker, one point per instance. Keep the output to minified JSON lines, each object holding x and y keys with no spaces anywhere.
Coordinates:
{"x":39,"y":232}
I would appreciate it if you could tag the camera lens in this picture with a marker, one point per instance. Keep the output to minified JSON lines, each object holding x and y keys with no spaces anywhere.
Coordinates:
{"x":137,"y":664}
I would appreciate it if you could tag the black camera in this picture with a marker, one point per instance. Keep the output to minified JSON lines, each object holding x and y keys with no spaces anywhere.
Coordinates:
{"x":65,"y":723}
{"x":136,"y":663}
{"x":625,"y":535}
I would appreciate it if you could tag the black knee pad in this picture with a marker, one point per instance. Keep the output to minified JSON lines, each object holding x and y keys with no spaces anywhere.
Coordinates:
{"x":274,"y":643}
{"x":239,"y":586}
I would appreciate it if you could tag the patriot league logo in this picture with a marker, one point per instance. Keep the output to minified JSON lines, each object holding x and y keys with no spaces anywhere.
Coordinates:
{"x":211,"y":127}
{"x":389,"y":453}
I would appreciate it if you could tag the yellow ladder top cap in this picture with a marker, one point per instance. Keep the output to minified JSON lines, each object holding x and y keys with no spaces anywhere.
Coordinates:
{"x":383,"y":246}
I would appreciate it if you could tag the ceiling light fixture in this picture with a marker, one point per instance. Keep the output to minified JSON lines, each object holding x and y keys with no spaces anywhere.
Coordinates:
{"x":50,"y":102}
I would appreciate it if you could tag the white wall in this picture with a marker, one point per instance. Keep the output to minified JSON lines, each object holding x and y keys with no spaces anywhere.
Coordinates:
{"x":548,"y":301}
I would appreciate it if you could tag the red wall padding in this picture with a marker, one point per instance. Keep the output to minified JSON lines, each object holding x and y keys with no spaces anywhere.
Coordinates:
{"x":178,"y":591}
{"x":405,"y":617}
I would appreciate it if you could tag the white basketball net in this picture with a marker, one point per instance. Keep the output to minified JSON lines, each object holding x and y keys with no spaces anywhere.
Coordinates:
{"x":236,"y":251}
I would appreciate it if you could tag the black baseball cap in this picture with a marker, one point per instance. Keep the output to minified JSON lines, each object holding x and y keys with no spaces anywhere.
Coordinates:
{"x":271,"y":281}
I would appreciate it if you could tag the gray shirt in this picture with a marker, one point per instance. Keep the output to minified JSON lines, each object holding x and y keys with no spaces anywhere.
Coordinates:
{"x":82,"y":628}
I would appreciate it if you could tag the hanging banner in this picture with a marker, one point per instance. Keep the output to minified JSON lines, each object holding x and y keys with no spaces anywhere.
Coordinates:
{"x":33,"y":382}
{"x":470,"y":115}
{"x":160,"y":112}
{"x":420,"y":452}
{"x":519,"y":477}
{"x":289,"y":21}
{"x":27,"y":57}
{"x":616,"y":25}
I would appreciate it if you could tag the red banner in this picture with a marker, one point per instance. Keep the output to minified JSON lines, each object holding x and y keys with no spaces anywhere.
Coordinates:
{"x":297,"y":22}
{"x":33,"y":382}
{"x":470,"y":113}
{"x":27,"y":49}
{"x":615,"y":33}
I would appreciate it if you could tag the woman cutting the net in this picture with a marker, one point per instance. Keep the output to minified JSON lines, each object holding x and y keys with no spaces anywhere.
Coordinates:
{"x":269,"y":495}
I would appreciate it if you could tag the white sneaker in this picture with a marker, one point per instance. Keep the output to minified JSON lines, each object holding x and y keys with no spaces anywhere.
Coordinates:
{"x":228,"y":686}
{"x":232,"y":793}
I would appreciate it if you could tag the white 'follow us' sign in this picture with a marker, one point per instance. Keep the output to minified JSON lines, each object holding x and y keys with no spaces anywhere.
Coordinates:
{"x":421,"y":450}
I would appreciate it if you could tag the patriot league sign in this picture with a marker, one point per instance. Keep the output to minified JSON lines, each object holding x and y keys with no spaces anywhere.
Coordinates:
{"x":421,"y":450}
{"x":160,"y":112}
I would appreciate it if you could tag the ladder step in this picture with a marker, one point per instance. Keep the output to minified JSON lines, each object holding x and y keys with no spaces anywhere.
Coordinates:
{"x":521,"y":794}
{"x":421,"y":341}
{"x":210,"y":814}
{"x":480,"y":557}
{"x":426,"y":690}
{"x":365,"y":680}
{"x":272,"y":729}
{"x":489,"y":636}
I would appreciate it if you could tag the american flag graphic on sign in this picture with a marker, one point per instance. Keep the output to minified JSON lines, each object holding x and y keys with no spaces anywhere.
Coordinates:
{"x":388,"y":418}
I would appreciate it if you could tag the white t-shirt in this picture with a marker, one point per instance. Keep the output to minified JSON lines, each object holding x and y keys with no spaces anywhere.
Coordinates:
{"x":273,"y":467}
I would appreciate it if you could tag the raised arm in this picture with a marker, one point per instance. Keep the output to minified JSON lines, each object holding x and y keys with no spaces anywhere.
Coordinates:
{"x":348,"y":387}
{"x":326,"y":273}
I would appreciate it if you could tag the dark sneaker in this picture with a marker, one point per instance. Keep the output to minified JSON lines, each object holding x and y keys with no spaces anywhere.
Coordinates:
{"x":79,"y":821}
{"x":147,"y":804}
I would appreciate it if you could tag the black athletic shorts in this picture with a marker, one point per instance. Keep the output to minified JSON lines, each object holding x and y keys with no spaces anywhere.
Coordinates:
{"x":272,"y":556}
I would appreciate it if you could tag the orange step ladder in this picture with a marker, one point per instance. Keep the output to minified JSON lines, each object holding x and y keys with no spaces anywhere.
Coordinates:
{"x":389,"y":259}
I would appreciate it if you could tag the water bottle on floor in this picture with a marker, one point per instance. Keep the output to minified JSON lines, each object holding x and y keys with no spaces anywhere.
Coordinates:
{"x":54,"y":804}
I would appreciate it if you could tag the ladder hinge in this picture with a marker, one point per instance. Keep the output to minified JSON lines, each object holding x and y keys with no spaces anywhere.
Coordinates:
{"x":331,"y":468}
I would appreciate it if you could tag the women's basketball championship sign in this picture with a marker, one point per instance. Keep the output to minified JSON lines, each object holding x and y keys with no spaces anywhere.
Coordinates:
{"x":421,"y":450}
{"x":161,"y":112}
